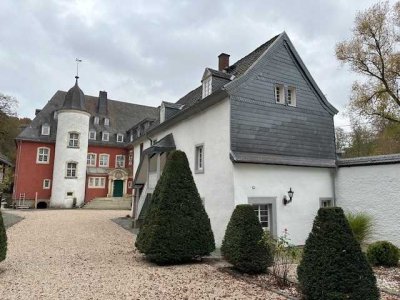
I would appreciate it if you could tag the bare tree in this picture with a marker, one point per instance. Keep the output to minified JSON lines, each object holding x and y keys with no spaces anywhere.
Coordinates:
{"x":372,"y":51}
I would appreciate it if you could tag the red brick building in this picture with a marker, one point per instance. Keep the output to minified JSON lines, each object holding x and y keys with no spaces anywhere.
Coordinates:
{"x":76,"y":149}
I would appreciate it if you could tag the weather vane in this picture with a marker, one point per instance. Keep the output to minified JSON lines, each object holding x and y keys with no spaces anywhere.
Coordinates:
{"x":77,"y":65}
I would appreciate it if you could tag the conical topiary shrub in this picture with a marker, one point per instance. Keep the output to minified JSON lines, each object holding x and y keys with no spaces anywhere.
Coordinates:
{"x":3,"y":239}
{"x":176,"y":228}
{"x":243,"y":246}
{"x":333,"y":266}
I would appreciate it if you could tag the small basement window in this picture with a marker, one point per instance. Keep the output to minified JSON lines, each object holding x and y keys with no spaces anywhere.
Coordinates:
{"x":279,"y":94}
{"x":291,"y":96}
{"x":46,"y":184}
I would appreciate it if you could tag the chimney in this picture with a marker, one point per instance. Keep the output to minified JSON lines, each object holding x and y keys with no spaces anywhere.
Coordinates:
{"x":223,"y":61}
{"x":102,"y":108}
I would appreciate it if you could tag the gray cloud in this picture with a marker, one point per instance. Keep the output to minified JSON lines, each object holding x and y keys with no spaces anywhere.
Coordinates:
{"x":148,"y":51}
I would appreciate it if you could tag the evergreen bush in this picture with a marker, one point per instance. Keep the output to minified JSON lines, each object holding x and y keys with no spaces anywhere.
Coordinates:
{"x":333,"y":265}
{"x":243,"y":245}
{"x":176,"y":228}
{"x":383,"y":253}
{"x":3,"y":239}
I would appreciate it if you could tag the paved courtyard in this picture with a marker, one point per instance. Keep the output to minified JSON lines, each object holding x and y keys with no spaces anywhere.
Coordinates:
{"x":82,"y":254}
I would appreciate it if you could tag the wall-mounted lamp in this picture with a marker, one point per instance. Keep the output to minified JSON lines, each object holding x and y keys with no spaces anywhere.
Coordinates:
{"x":290,"y":194}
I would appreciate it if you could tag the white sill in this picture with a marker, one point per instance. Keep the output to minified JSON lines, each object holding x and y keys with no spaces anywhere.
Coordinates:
{"x":199,"y":171}
{"x":72,"y":147}
{"x":42,"y":162}
{"x":281,"y":103}
{"x":71,"y":177}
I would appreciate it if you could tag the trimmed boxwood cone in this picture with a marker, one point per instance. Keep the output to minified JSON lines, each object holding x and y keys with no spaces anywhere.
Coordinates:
{"x":243,"y":246}
{"x":333,"y":265}
{"x":3,"y":239}
{"x":176,"y":228}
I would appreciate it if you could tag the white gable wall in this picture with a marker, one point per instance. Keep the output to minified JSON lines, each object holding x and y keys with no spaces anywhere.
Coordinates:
{"x":215,"y":185}
{"x":375,"y":190}
{"x":273,"y":182}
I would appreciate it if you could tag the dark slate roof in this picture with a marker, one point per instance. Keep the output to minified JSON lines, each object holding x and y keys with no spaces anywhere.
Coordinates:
{"x":242,"y":65}
{"x":122,"y":115}
{"x":261,"y":158}
{"x":237,"y":69}
{"x":221,"y":74}
{"x":4,"y":160}
{"x":74,"y":99}
{"x":166,"y":144}
{"x":369,"y":160}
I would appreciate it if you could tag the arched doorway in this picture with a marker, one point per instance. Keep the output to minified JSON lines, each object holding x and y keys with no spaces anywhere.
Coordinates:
{"x":117,"y":183}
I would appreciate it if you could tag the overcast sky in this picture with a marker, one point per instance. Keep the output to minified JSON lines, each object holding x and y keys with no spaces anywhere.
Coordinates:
{"x":149,"y":51}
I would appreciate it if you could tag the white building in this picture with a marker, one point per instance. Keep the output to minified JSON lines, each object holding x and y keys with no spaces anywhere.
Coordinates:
{"x":252,"y":131}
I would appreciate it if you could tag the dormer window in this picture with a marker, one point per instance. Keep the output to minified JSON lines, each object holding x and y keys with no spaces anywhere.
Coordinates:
{"x":131,"y":137}
{"x":96,"y":120}
{"x":92,"y":135}
{"x":279,"y":94}
{"x":207,"y":87}
{"x":45,"y":129}
{"x":291,"y":96}
{"x":106,"y":121}
{"x":120,"y":137}
{"x":106,"y":136}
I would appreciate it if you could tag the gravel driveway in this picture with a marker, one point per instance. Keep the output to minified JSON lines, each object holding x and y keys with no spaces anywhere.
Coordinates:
{"x":82,"y":254}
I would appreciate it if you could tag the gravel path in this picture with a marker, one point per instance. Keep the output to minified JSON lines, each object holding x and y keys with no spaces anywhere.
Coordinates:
{"x":82,"y":254}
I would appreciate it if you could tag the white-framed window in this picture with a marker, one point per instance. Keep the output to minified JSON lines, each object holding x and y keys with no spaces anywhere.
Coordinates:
{"x":131,"y":137}
{"x":207,"y":87}
{"x":129,"y":184}
{"x":91,"y":159}
{"x":106,"y":121}
{"x":104,"y":160}
{"x":199,"y":159}
{"x":291,"y":96}
{"x":130,"y":159}
{"x":96,"y":182}
{"x":279,"y":94}
{"x":96,"y":120}
{"x":46,"y":184}
{"x":120,"y":138}
{"x":45,"y":129}
{"x":92,"y":134}
{"x":73,"y":140}
{"x":120,"y":161}
{"x":43,"y":155}
{"x":263,"y":212}
{"x":106,"y":136}
{"x":326,"y":202}
{"x":71,"y":170}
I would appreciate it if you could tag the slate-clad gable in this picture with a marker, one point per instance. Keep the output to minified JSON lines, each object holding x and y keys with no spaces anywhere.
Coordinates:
{"x":260,"y":125}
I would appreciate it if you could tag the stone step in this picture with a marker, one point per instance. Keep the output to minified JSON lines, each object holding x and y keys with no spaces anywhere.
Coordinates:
{"x":110,"y":203}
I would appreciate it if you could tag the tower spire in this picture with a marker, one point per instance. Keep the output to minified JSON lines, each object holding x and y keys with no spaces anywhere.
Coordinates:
{"x":77,"y":60}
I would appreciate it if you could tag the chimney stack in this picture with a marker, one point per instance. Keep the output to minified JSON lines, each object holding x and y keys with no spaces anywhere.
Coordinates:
{"x":223,"y":61}
{"x":102,"y":107}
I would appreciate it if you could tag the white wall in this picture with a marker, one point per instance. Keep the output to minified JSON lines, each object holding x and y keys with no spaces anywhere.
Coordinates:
{"x":77,"y":121}
{"x":375,"y":190}
{"x":215,"y":185}
{"x":309,"y":185}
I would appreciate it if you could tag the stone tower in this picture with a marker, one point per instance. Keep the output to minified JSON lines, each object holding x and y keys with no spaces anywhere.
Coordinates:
{"x":69,"y":173}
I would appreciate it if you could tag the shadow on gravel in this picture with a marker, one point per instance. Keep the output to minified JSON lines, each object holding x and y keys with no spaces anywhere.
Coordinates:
{"x":125,"y":223}
{"x":10,"y":219}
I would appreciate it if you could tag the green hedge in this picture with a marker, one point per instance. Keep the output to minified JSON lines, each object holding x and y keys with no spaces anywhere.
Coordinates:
{"x":243,"y":246}
{"x":3,"y":239}
{"x":383,"y":253}
{"x":333,"y":265}
{"x":176,"y":228}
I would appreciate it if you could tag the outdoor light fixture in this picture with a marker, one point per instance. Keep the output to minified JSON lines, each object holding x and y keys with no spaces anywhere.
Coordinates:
{"x":290,"y":194}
